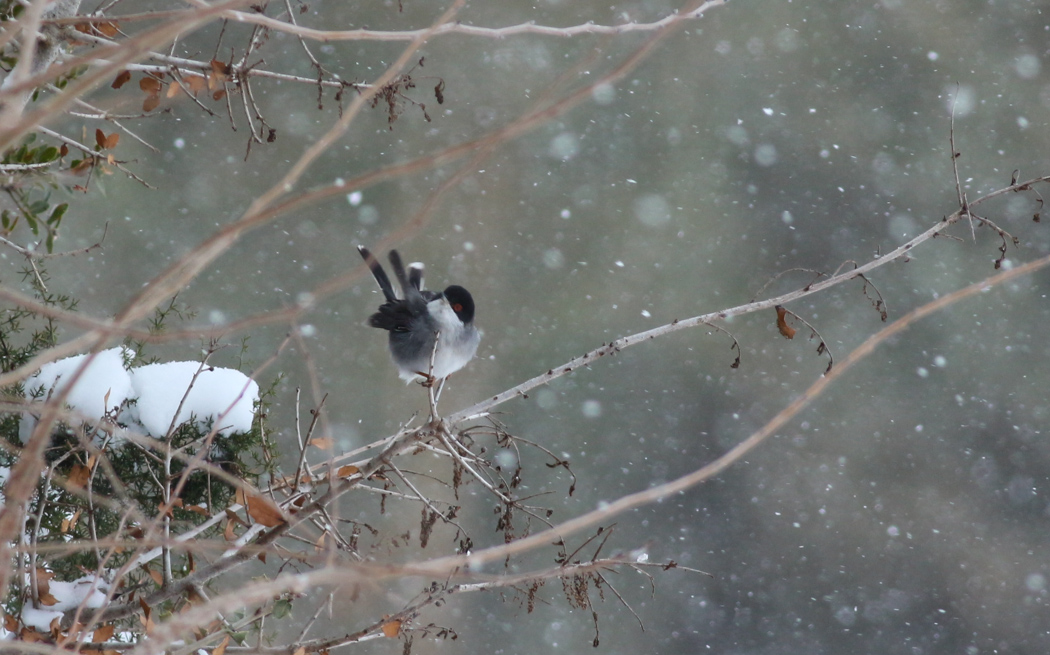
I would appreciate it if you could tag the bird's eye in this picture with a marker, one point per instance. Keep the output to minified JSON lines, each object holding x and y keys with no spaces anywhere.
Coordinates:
{"x":457,"y":307}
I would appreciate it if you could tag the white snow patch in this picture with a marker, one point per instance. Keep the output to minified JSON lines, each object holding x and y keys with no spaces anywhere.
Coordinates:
{"x":104,"y":375}
{"x":220,"y":394}
{"x":88,"y":590}
{"x":39,"y":619}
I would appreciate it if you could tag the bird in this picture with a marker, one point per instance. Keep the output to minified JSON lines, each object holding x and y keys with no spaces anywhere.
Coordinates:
{"x":420,"y":318}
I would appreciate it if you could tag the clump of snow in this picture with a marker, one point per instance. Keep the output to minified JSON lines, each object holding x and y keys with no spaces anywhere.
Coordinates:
{"x":89,"y":591}
{"x":222,"y":395}
{"x":104,"y":376}
{"x":39,"y":619}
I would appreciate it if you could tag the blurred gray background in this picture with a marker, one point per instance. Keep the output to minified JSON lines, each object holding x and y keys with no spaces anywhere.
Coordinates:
{"x":904,"y":512}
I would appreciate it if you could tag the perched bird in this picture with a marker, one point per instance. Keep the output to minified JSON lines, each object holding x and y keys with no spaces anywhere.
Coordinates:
{"x":419,"y":317}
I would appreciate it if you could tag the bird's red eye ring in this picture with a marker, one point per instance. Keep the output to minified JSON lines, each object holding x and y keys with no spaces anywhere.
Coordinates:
{"x":457,"y":307}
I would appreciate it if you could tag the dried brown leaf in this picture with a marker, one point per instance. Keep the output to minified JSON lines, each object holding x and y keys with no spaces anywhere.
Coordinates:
{"x":103,"y":633}
{"x":43,"y":586}
{"x":156,"y":575}
{"x":322,"y":442}
{"x":123,"y":78}
{"x":83,"y":167}
{"x":196,"y":84}
{"x":219,"y":70}
{"x":30,"y":635}
{"x":264,"y":511}
{"x":785,"y":329}
{"x":346,"y":471}
{"x":232,"y":515}
{"x":71,"y":522}
{"x":392,"y":628}
{"x":221,"y":648}
{"x":150,"y":85}
{"x":107,"y":28}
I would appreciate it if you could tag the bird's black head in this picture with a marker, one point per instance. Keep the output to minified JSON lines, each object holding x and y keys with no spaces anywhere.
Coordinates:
{"x":461,"y":302}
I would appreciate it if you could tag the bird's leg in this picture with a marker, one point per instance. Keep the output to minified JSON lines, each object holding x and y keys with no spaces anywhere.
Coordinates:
{"x":430,"y":380}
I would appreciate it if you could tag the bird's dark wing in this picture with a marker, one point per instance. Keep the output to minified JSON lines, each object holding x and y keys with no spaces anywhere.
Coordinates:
{"x":398,"y":315}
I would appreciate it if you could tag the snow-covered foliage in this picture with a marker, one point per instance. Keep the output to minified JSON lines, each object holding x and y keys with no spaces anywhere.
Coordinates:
{"x":162,"y":392}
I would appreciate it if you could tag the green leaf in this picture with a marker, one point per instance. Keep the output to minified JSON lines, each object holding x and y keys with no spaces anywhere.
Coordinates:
{"x":49,"y":153}
{"x":5,"y":219}
{"x":50,"y":242}
{"x":39,"y":206}
{"x":282,"y":608}
{"x":57,"y":213}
